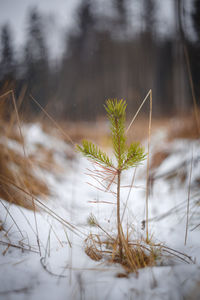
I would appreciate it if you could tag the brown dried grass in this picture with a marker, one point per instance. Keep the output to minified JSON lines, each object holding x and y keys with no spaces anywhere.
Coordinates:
{"x":16,"y":168}
{"x":177,"y":127}
{"x":136,"y":255}
{"x":184,"y":127}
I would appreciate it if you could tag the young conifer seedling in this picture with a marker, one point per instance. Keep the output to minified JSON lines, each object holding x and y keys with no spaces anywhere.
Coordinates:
{"x":126,"y":156}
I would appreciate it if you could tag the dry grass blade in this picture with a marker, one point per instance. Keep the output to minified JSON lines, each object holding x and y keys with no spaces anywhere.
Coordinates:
{"x":188,"y":202}
{"x":147,"y":179}
{"x":14,"y":166}
{"x":18,"y":121}
{"x":135,"y":255}
{"x":178,"y":208}
{"x":91,"y":248}
{"x":136,"y":114}
{"x":43,"y":263}
{"x":149,"y":95}
{"x":179,"y":254}
{"x":18,"y":246}
{"x":132,"y":181}
{"x":12,"y":218}
{"x":53,"y":121}
{"x":43,"y":207}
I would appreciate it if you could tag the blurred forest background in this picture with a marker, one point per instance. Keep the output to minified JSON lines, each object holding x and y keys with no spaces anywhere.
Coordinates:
{"x":106,"y":55}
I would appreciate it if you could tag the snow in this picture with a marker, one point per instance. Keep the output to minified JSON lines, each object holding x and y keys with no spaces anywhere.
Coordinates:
{"x":60,"y":269}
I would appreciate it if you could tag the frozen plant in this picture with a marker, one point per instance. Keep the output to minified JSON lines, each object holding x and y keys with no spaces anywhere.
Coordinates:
{"x":126,"y":156}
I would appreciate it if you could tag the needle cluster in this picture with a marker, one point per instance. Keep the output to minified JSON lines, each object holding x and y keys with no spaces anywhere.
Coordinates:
{"x":126,"y":156}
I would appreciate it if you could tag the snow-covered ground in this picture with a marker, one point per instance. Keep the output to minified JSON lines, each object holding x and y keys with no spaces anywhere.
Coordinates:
{"x":42,"y":256}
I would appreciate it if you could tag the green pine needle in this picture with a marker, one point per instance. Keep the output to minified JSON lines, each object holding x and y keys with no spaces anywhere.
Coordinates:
{"x":116,"y":112}
{"x":91,"y":151}
{"x":135,"y":155}
{"x":126,"y":157}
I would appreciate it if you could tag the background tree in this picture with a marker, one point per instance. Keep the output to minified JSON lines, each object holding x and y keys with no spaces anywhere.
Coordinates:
{"x":7,"y":59}
{"x":105,"y":57}
{"x":78,"y":67}
{"x":36,"y":65}
{"x":195,"y":49}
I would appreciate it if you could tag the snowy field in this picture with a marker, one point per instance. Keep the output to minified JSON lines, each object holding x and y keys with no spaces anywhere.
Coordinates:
{"x":43,"y":254}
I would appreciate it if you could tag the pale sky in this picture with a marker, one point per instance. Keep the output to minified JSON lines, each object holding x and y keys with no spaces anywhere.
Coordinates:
{"x":60,"y":15}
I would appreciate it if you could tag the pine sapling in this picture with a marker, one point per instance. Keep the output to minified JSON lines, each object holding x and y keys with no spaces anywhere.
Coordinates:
{"x":126,"y":156}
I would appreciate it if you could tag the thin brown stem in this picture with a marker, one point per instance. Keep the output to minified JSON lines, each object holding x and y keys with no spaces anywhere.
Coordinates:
{"x":188,"y":201}
{"x":118,"y":213}
{"x":143,"y":102}
{"x":147,"y":180}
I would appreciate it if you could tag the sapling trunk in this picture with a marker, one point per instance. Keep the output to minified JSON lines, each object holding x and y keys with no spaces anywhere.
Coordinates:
{"x":118,"y":215}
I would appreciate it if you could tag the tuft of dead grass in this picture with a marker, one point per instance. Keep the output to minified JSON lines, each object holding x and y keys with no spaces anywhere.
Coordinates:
{"x":136,"y":254}
{"x":44,"y":158}
{"x":15,"y":168}
{"x":91,"y":248}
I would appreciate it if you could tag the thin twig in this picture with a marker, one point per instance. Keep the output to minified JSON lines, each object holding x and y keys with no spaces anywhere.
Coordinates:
{"x":188,"y":201}
{"x":35,"y":232}
{"x":12,"y":218}
{"x":44,"y":207}
{"x":36,"y":226}
{"x":17,"y":246}
{"x":25,"y":155}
